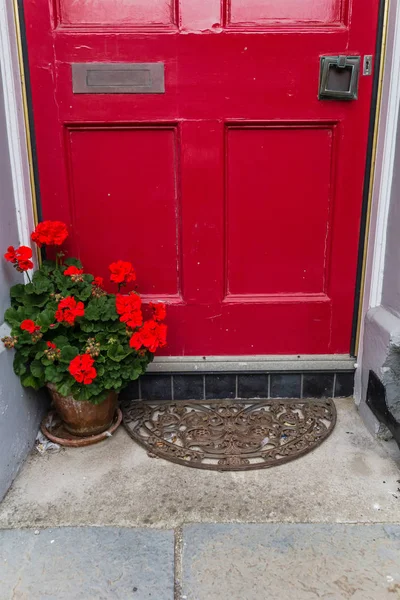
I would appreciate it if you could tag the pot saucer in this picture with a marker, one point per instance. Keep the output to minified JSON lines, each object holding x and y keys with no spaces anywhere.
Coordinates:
{"x":53,"y":428}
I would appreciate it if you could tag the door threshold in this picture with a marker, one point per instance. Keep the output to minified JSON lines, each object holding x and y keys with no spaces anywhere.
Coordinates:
{"x":266,"y":363}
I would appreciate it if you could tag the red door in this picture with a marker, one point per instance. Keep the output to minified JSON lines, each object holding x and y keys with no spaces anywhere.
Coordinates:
{"x":235,"y":192}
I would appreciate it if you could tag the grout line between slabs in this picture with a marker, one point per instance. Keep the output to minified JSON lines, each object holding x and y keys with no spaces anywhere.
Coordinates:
{"x":178,"y":569}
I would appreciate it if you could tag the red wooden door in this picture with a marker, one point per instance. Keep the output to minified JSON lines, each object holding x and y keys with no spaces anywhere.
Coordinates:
{"x":236,"y":193}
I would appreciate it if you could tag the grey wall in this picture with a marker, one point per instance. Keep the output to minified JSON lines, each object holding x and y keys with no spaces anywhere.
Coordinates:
{"x":391,"y":281}
{"x":20,"y":411}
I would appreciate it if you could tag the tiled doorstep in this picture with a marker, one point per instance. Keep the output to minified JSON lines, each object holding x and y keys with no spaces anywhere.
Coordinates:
{"x":184,"y":386}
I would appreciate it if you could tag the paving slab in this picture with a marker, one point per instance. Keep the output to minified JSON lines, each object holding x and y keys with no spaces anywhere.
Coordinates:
{"x":348,"y":478}
{"x":291,"y":561}
{"x":97,"y":563}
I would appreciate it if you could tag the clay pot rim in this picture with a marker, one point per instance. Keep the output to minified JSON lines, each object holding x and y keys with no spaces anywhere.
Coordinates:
{"x":78,"y":442}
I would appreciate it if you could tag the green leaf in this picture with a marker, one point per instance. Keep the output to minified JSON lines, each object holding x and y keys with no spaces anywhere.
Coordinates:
{"x":73,"y":261}
{"x":84,"y":294}
{"x":68,"y":353}
{"x":93,"y":310}
{"x":17,"y":291}
{"x":53,"y":374}
{"x":83,"y":393}
{"x":38,"y":300}
{"x":31,"y":381}
{"x":65,"y":388}
{"x":87,"y":326}
{"x":45,"y":318}
{"x":12,"y":317}
{"x":19,"y":364}
{"x":29,"y":289}
{"x":117,"y":352}
{"x":60,"y":341}
{"x":41,"y":283}
{"x":37,"y":369}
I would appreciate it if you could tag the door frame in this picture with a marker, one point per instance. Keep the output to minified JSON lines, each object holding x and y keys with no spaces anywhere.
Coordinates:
{"x":380,"y":151}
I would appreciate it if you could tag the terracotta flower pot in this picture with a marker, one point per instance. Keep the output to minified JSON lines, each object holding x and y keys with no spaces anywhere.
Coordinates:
{"x":81,"y":417}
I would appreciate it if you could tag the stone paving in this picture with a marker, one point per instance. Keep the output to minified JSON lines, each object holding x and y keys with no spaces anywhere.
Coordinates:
{"x":107,"y":521}
{"x":212,"y":562}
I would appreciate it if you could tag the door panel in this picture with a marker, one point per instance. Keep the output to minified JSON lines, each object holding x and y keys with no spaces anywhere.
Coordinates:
{"x":261,"y":12}
{"x":261,"y":257}
{"x":236,"y":193}
{"x":124,"y":180}
{"x":115,"y":12}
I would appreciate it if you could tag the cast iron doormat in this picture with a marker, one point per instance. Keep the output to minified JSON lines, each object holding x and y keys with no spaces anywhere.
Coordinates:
{"x":229,"y":435}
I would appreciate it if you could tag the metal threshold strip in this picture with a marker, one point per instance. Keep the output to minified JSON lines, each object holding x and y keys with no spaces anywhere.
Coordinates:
{"x":266,"y":363}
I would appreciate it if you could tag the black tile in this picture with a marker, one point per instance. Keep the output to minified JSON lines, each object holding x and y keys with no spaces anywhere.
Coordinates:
{"x":188,"y":387}
{"x":253,"y":386}
{"x":318,"y":385}
{"x":285,"y":385}
{"x":156,"y":387}
{"x":220,"y":386}
{"x":131,"y":392}
{"x":344,"y":386}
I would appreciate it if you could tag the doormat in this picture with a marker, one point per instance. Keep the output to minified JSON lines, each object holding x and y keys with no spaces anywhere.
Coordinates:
{"x":229,"y":435}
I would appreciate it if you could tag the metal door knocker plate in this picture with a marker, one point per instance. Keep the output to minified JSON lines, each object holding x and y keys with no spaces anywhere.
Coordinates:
{"x":338,"y":77}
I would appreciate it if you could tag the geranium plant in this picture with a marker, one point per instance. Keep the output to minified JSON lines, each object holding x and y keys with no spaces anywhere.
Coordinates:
{"x":68,"y":331}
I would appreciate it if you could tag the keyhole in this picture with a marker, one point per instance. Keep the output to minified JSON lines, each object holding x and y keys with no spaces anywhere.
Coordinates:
{"x":367,"y":67}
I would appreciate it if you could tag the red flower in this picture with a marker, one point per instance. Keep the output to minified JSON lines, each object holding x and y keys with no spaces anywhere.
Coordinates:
{"x":152,"y":335}
{"x":19,"y":257}
{"x":24,"y":253}
{"x":129,"y":307}
{"x":68,"y":310}
{"x":122,"y":272}
{"x":29,"y":326}
{"x":50,"y":233}
{"x":99,"y":281}
{"x":72,"y":270}
{"x":159,"y":311}
{"x":11,"y":254}
{"x":51,"y":345}
{"x":82,"y":369}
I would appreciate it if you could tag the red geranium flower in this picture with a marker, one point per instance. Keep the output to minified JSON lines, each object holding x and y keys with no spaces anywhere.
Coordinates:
{"x":11,"y":254}
{"x":82,"y":369}
{"x":152,"y":335}
{"x":129,"y":307}
{"x":122,"y":272}
{"x":19,"y":257}
{"x":68,"y":310}
{"x":50,"y":233}
{"x":29,"y":326}
{"x":51,"y":345}
{"x":99,"y":281}
{"x":159,"y":311}
{"x":72,"y":270}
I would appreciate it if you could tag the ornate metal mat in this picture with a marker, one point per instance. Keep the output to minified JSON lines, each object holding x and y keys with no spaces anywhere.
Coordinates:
{"x":229,"y":435}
